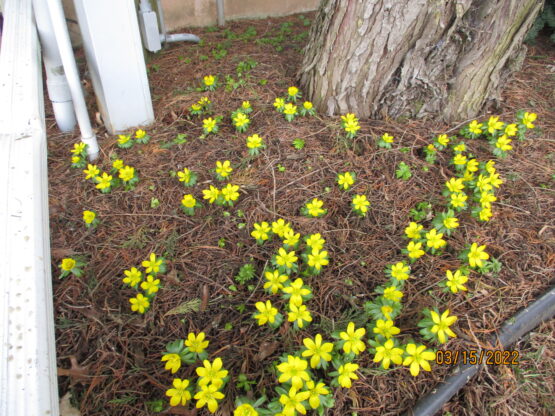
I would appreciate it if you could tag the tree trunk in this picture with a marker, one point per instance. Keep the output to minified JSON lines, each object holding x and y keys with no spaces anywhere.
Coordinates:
{"x":443,"y":59}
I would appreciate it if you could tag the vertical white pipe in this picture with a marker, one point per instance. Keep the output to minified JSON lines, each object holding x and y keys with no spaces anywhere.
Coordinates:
{"x":68,"y":59}
{"x":221,"y":14}
{"x":56,"y":81}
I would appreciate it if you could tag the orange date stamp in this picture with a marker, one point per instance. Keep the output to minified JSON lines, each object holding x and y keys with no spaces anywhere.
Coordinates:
{"x":472,"y":357}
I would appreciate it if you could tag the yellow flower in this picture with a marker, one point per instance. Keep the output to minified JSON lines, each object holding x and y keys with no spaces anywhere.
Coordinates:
{"x":117,"y":164}
{"x":123,"y":138}
{"x":387,"y":354}
{"x":290,"y":109}
{"x":472,"y":165}
{"x":483,"y":183}
{"x":139,"y":134}
{"x":296,"y":291}
{"x":132,"y":277}
{"x":279,"y":103}
{"x":245,"y":105}
{"x":349,"y":117}
{"x":196,"y":107}
{"x":267,"y":312}
{"x":91,"y":172}
{"x":78,"y":148}
{"x":290,"y":238}
{"x":315,"y":390}
{"x":292,"y":91}
{"x":490,"y":167}
{"x":293,"y":402}
{"x":431,"y":148}
{"x":476,"y":255}
{"x":486,"y":198}
{"x":209,"y":396}
{"x":299,"y":313}
{"x":459,"y":160}
{"x":314,"y":207}
{"x":317,"y":259}
{"x":450,"y":222}
{"x":104,"y":181}
{"x":503,"y":143}
{"x":261,"y":231}
{"x":307,"y":105}
{"x":275,"y":281}
{"x":280,"y":227}
{"x":458,"y":199}
{"x":179,"y":395}
{"x":393,"y":294}
{"x":456,"y":281}
{"x":528,"y":119}
{"x":511,"y":129}
{"x":455,"y":185}
{"x":475,"y":127}
{"x":184,"y":175}
{"x":88,"y":217}
{"x":293,"y":370}
{"x":211,"y":194}
{"x":68,"y":264}
{"x":495,"y":180}
{"x":139,"y":304}
{"x":415,"y":250}
{"x":126,"y":173}
{"x":245,"y":410}
{"x":254,"y":141}
{"x":346,"y":373}
{"x":189,"y":201}
{"x":360,"y":203}
{"x":230,"y":192}
{"x":485,"y":214}
{"x":223,"y":169}
{"x":345,"y":180}
{"x":461,"y":147}
{"x":387,"y":138}
{"x":241,"y":119}
{"x":386,"y":329}
{"x":353,"y":339}
{"x":443,"y":140}
{"x":386,"y":311}
{"x":494,"y":124}
{"x":150,"y":285}
{"x":316,"y":350}
{"x":196,"y":343}
{"x":209,"y":124}
{"x":434,"y":239}
{"x":315,"y":241}
{"x":418,"y":357}
{"x":442,"y":324}
{"x":152,"y":265}
{"x":209,"y":80}
{"x":414,"y":230}
{"x":211,"y":373}
{"x":400,"y":271}
{"x":75,"y":159}
{"x":173,"y":362}
{"x":352,"y":127}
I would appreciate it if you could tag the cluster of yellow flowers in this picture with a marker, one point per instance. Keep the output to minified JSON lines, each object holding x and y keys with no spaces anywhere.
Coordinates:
{"x":146,"y":281}
{"x":349,"y":123}
{"x":359,"y":203}
{"x":79,"y":155}
{"x":105,"y":182}
{"x":202,"y":106}
{"x":287,"y":106}
{"x":125,"y":141}
{"x":225,"y":196}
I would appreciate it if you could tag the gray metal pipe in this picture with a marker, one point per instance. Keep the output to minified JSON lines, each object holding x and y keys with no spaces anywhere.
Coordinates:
{"x":523,"y":322}
{"x":221,"y":14}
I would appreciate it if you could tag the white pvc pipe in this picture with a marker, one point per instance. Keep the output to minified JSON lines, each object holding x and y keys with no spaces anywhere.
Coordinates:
{"x":68,"y":59}
{"x":56,"y":81}
{"x":221,"y":14}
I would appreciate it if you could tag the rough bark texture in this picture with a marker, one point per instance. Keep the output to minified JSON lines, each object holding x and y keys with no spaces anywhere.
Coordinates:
{"x":418,"y":58}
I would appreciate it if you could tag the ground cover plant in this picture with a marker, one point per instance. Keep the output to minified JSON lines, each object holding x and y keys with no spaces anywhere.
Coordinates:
{"x":247,"y":254}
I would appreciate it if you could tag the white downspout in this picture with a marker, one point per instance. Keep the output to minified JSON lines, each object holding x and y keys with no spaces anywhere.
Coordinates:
{"x":58,"y":20}
{"x":56,"y":81}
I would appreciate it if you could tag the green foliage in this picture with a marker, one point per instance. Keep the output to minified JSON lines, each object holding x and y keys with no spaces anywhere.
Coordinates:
{"x":298,"y":144}
{"x":421,"y":211}
{"x":246,"y":273}
{"x":545,"y":19}
{"x":403,"y":171}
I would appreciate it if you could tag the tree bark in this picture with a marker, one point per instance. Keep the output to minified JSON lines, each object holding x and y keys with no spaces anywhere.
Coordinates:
{"x":442,"y":59}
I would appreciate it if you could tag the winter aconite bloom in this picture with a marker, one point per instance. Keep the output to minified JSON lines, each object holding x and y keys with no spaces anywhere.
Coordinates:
{"x":255,"y":142}
{"x":293,"y":402}
{"x":393,"y":294}
{"x":315,"y":241}
{"x":296,"y":291}
{"x":279,"y":104}
{"x":267,"y":313}
{"x":385,"y":328}
{"x":127,"y":173}
{"x":418,"y":357}
{"x":413,"y":231}
{"x":196,"y":343}
{"x":455,"y":185}
{"x":184,"y":175}
{"x":150,"y":285}
{"x":299,"y":314}
{"x":450,"y":222}
{"x":503,"y":143}
{"x":459,"y":160}
{"x":261,"y":231}
{"x":317,"y":259}
{"x":179,"y":395}
{"x":475,"y":127}
{"x":132,"y":277}
{"x":245,"y":410}
{"x":345,"y":180}
{"x":139,"y":304}
{"x":211,"y":194}
{"x":443,"y":140}
{"x":209,"y":80}
{"x":316,"y":390}
{"x":91,"y":172}
{"x":353,"y":339}
{"x":458,"y":200}
{"x":360,"y":203}
{"x":415,"y":250}
{"x":68,"y":264}
{"x":208,"y":396}
{"x":209,"y":125}
{"x":274,"y":281}
{"x":400,"y":271}
{"x":494,"y":124}
{"x":290,"y":238}
{"x":173,"y":362}
{"x":477,"y":255}
{"x":211,"y":373}
{"x":285,"y":258}
{"x":294,"y":371}
{"x":241,"y":121}
{"x":528,"y":119}
{"x":89,"y":217}
{"x":189,"y":201}
{"x":346,"y":374}
{"x":314,"y":207}
{"x":280,"y":227}
{"x":104,"y":181}
{"x":456,"y":281}
{"x":387,"y":354}
{"x":224,"y":168}
{"x":441,"y":325}
{"x":152,"y":265}
{"x":292,"y":92}
{"x":316,"y":350}
{"x":435,"y":240}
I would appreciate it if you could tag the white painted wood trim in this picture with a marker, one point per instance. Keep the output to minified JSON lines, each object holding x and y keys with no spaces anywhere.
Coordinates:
{"x":28,"y":379}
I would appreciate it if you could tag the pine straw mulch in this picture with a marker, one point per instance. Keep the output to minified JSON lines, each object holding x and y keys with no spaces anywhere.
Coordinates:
{"x":110,"y":358}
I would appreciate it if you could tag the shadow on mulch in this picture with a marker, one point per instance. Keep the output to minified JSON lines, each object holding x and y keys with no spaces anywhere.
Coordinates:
{"x":113,"y":355}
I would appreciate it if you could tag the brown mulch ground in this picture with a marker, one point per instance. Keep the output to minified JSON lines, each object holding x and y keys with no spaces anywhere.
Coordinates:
{"x":111,"y":357}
